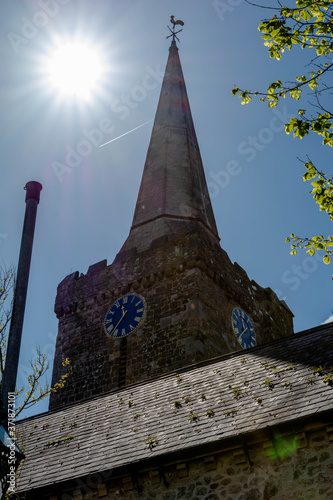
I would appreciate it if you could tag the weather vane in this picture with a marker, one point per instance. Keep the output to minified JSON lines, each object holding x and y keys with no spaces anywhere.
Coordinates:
{"x":173,"y":32}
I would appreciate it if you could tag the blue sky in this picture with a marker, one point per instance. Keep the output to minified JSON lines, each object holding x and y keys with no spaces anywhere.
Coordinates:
{"x":85,"y":213}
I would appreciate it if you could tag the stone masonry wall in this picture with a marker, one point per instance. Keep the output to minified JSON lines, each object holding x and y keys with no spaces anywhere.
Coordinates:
{"x":190,"y":287}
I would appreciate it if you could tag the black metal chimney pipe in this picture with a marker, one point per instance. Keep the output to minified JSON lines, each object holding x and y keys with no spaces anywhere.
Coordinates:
{"x":33,"y":190}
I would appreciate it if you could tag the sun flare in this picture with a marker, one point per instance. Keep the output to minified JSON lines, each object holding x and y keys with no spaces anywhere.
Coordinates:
{"x":74,"y":69}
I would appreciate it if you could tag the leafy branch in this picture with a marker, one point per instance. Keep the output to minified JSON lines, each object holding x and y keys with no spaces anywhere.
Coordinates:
{"x":322,"y":191}
{"x":39,"y":366}
{"x":308,"y":25}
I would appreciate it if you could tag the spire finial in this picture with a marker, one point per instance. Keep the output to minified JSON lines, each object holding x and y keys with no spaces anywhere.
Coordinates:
{"x":173,"y":31}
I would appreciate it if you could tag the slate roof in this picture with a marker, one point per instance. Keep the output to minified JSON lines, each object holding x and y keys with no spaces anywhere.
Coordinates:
{"x":243,"y":392}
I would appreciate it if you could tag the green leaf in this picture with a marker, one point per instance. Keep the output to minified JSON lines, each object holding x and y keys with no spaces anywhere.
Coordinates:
{"x":305,"y":14}
{"x":246,"y":99}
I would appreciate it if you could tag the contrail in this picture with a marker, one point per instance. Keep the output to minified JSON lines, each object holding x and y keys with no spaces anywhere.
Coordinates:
{"x":122,"y":135}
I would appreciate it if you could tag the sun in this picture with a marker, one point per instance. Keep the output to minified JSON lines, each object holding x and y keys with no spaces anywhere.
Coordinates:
{"x":74,"y":69}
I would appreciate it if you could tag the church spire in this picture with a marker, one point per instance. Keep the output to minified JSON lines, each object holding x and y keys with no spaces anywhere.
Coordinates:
{"x":173,"y":197}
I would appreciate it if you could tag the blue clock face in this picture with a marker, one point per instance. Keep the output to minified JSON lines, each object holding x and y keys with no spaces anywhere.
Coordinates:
{"x":243,"y":328}
{"x":125,"y":315}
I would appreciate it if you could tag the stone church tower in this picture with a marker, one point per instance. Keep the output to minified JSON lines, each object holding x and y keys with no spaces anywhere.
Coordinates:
{"x":195,"y":303}
{"x":186,"y":379}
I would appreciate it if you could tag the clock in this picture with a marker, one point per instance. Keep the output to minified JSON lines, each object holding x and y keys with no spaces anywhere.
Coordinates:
{"x":125,"y":315}
{"x":243,"y":328}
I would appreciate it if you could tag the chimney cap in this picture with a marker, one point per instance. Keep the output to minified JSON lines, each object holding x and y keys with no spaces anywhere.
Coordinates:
{"x":33,"y":189}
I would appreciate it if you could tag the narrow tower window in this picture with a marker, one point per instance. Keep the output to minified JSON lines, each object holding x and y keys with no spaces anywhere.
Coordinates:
{"x":122,"y":363}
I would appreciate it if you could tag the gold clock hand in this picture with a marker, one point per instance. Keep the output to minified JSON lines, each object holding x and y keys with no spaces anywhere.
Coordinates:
{"x":239,"y":336}
{"x":124,"y":314}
